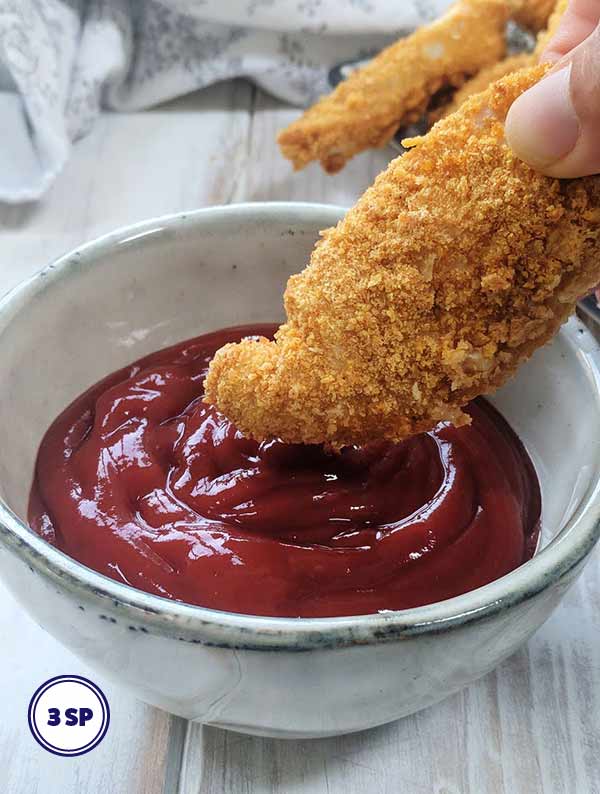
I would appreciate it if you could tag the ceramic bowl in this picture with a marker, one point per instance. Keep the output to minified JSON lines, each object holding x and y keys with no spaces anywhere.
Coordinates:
{"x":153,"y":284}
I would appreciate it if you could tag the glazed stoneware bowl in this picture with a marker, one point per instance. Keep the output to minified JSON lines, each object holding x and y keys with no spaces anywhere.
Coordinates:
{"x":153,"y":284}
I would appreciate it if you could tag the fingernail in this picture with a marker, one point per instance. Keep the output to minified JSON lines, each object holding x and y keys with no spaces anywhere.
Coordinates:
{"x":542,"y":126}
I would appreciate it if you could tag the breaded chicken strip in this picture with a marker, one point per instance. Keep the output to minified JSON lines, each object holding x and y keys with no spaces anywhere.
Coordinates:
{"x":483,"y":80}
{"x":365,"y":110}
{"x":509,"y":65}
{"x":448,"y":273}
{"x":534,"y":14}
{"x":544,"y":37}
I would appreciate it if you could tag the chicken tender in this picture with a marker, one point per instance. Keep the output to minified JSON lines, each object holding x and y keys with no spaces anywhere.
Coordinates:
{"x":534,"y":14}
{"x":394,"y":89}
{"x":448,"y":273}
{"x":509,"y":65}
{"x":545,"y":36}
{"x":483,"y":80}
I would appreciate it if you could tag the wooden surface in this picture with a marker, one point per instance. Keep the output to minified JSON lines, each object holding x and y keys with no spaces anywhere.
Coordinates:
{"x":531,"y":726}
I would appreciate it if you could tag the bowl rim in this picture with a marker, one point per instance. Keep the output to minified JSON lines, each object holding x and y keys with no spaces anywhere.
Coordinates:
{"x":554,"y":564}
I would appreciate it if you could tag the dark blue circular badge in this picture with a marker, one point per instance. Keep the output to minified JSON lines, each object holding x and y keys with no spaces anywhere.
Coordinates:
{"x":68,"y":715}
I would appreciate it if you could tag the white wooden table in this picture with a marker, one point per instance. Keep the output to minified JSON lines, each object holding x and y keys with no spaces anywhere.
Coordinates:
{"x":531,"y":726}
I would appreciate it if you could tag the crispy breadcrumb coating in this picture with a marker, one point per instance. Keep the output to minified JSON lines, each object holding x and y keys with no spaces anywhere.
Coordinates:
{"x":509,"y":65}
{"x":544,"y":37}
{"x":394,"y":89}
{"x":448,"y":273}
{"x":483,"y":80}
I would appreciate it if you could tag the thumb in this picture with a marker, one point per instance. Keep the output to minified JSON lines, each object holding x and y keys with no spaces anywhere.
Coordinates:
{"x":555,"y":126}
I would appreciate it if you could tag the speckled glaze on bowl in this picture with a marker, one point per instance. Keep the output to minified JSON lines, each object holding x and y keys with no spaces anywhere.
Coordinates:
{"x":153,"y":284}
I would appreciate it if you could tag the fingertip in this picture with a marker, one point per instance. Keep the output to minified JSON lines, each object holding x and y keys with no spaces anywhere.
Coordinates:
{"x":542,"y":127}
{"x":551,"y":55}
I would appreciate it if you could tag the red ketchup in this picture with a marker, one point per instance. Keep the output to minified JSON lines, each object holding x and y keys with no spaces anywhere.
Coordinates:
{"x":142,"y":481}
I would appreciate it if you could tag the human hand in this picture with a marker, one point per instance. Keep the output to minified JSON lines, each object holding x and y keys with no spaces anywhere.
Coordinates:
{"x":555,"y":126}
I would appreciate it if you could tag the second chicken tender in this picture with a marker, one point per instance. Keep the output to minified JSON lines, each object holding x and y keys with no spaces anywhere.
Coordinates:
{"x":509,"y":65}
{"x":483,"y":80}
{"x":366,"y":110}
{"x":534,"y":14}
{"x":449,"y":272}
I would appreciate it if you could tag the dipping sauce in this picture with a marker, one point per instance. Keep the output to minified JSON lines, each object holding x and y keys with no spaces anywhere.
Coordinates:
{"x":141,"y":481}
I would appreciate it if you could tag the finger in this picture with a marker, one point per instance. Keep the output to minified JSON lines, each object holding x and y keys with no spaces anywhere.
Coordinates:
{"x":555,"y":126}
{"x":579,"y":21}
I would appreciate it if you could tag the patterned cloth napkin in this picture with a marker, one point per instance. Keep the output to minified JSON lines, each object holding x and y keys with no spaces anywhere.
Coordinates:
{"x":63,"y":61}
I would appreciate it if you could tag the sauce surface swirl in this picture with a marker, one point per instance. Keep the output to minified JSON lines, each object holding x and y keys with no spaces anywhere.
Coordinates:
{"x":141,"y":481}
